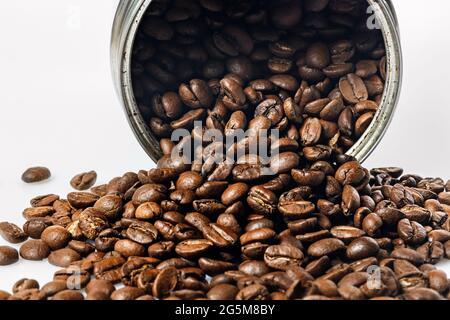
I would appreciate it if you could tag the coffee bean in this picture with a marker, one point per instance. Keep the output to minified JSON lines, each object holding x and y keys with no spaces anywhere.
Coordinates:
{"x":165,"y":282}
{"x":56,"y":237}
{"x":129,"y":248}
{"x":262,"y":200}
{"x":34,"y":227}
{"x":408,"y":255}
{"x":222,"y":292}
{"x":282,"y":257}
{"x":325,"y":247}
{"x":353,"y":88}
{"x":362,"y":248}
{"x":34,"y":250}
{"x":12,"y":233}
{"x":63,"y":257}
{"x":8,"y":255}
{"x":68,"y":295}
{"x":84,"y":181}
{"x":318,"y":55}
{"x":36,"y":174}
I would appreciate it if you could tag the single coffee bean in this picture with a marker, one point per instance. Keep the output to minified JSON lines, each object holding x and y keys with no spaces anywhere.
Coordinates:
{"x":36,"y":174}
{"x":68,"y":295}
{"x":8,"y":255}
{"x":325,"y":247}
{"x":63,"y":257}
{"x":34,"y":227}
{"x":34,"y":250}
{"x":282,"y":257}
{"x":84,"y":181}
{"x":56,"y":237}
{"x":12,"y":233}
{"x":362,"y":248}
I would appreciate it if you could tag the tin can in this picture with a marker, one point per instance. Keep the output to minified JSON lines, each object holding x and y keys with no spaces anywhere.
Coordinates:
{"x":126,"y":24}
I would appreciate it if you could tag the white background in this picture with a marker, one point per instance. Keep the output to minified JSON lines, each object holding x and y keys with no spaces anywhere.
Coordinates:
{"x":59,"y":109}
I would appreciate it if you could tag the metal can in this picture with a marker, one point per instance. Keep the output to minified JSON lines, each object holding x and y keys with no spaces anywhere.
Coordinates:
{"x":126,"y":24}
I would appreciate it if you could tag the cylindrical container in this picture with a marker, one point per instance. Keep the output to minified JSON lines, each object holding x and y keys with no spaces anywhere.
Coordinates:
{"x":126,"y":24}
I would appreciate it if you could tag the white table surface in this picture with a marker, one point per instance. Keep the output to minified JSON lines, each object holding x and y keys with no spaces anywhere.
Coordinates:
{"x":59,"y":109}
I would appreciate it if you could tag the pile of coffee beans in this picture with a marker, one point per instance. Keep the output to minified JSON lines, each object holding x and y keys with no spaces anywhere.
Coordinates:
{"x":313,"y":68}
{"x":319,"y":227}
{"x":329,"y":230}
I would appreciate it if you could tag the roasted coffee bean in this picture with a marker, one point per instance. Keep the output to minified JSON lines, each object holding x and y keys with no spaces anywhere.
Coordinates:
{"x":34,"y":250}
{"x":63,"y":257}
{"x":165,"y":282}
{"x":68,"y":295}
{"x":110,"y":205}
{"x":81,"y":200}
{"x":350,"y":173}
{"x":128,"y":248}
{"x":411,"y":232}
{"x":8,"y":255}
{"x":262,"y":200}
{"x":282,"y":257}
{"x":408,"y":255}
{"x":44,"y":200}
{"x":34,"y":227}
{"x":142,"y":232}
{"x":92,"y":222}
{"x":325,"y":247}
{"x":56,"y":237}
{"x":346,"y":233}
{"x":362,"y":248}
{"x":36,"y":174}
{"x":84,"y":181}
{"x":12,"y":233}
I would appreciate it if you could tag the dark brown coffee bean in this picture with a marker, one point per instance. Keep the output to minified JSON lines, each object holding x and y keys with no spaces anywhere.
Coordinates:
{"x":129,"y":248}
{"x":63,"y":257}
{"x":353,"y":88}
{"x":350,"y":173}
{"x":432,"y":252}
{"x":262,"y":200}
{"x":325,"y":247}
{"x":12,"y":233}
{"x":161,"y":249}
{"x":34,"y":227}
{"x":44,"y":200}
{"x":149,"y":193}
{"x":36,"y":174}
{"x":362,"y":248}
{"x":310,"y":131}
{"x":253,"y":292}
{"x":81,"y":200}
{"x":408,"y":255}
{"x":318,"y":55}
{"x":8,"y":255}
{"x":346,"y":233}
{"x":193,"y":248}
{"x":222,"y":292}
{"x":165,"y":282}
{"x":84,"y":181}
{"x":34,"y":250}
{"x":56,"y":237}
{"x":92,"y":222}
{"x":411,"y":232}
{"x":351,"y":200}
{"x":296,"y":209}
{"x":285,"y":82}
{"x":282,"y":257}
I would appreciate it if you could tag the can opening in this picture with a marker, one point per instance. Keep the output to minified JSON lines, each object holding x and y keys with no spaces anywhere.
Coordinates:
{"x":178,"y":41}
